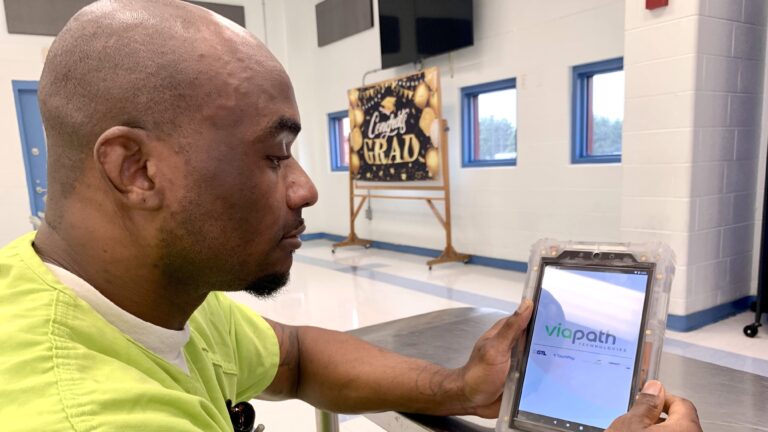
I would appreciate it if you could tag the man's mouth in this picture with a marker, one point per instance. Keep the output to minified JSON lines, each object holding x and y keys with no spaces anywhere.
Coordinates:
{"x":296,"y":232}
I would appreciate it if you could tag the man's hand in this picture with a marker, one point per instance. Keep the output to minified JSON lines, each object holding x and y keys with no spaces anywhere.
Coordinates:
{"x":644,"y":416}
{"x":484,"y":374}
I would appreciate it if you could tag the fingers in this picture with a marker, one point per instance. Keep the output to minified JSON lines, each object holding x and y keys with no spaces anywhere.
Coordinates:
{"x":681,"y":414}
{"x":511,"y":328}
{"x":648,"y":405}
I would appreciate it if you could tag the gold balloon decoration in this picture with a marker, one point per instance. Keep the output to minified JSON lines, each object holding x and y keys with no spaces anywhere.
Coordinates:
{"x":433,"y":161}
{"x":421,"y":95}
{"x":354,"y":97}
{"x":430,"y":77}
{"x":425,"y":122}
{"x":434,"y":101}
{"x":359,"y":116}
{"x":356,"y":139}
{"x":354,"y":163}
{"x":435,"y":134}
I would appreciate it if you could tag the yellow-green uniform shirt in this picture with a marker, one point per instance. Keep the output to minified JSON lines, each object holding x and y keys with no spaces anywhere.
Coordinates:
{"x":64,"y":368}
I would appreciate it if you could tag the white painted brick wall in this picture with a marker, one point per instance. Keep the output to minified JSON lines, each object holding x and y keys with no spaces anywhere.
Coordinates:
{"x":714,"y":145}
{"x":747,"y":144}
{"x":725,"y":9}
{"x":714,"y":212}
{"x":679,"y":76}
{"x":755,"y":12}
{"x":749,"y":42}
{"x":701,"y":194}
{"x":714,"y":36}
{"x":662,"y":112}
{"x":669,"y":39}
{"x":724,"y":72}
{"x":644,"y":148}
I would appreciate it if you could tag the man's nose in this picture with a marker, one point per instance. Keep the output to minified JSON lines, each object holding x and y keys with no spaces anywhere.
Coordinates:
{"x":301,"y":190}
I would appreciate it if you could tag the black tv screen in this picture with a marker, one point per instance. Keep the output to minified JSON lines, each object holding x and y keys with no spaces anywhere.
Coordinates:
{"x":411,"y":30}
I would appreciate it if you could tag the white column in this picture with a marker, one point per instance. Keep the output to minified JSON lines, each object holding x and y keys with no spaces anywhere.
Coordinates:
{"x":694,"y":85}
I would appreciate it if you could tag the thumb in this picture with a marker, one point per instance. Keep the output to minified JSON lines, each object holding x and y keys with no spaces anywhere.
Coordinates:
{"x":648,"y":404}
{"x":514,"y":326}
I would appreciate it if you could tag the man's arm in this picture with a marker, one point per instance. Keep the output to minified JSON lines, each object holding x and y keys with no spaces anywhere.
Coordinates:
{"x":341,"y":373}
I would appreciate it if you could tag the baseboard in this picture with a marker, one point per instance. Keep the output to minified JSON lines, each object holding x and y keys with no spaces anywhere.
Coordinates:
{"x":320,"y":236}
{"x":681,"y":323}
{"x":499,"y":263}
{"x":696,"y":320}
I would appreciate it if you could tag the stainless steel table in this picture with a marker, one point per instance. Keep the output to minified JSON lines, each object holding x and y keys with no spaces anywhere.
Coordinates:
{"x":728,"y":400}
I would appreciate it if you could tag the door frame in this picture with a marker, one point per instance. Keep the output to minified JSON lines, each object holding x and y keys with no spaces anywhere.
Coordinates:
{"x":20,"y":86}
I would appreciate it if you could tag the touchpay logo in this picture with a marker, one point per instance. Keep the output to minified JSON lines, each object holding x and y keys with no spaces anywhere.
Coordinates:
{"x":602,"y":337}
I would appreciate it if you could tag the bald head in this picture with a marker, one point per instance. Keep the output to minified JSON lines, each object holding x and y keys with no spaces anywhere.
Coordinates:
{"x":146,"y":64}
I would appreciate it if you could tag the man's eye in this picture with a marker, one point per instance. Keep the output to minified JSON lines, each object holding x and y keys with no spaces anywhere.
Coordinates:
{"x":276,"y":160}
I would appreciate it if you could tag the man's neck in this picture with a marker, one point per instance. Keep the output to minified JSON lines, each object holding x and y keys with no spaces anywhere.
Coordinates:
{"x":128,"y":278}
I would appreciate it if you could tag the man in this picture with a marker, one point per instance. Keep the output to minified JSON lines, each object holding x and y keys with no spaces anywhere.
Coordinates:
{"x":170,"y":180}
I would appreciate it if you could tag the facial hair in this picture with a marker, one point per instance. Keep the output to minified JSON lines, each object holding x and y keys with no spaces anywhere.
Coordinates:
{"x":268,"y":285}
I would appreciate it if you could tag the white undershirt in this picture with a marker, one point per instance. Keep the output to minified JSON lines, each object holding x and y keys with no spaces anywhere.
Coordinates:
{"x":167,"y":344}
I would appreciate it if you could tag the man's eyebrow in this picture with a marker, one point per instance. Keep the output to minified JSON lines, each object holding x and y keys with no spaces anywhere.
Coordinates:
{"x":285,"y":124}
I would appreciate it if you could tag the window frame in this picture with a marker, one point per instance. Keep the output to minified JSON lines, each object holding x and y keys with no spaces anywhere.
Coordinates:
{"x":336,"y":141}
{"x":469,"y":125}
{"x":580,"y":110}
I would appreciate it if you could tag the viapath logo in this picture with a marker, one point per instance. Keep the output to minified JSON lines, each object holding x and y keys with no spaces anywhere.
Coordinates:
{"x":595,"y":336}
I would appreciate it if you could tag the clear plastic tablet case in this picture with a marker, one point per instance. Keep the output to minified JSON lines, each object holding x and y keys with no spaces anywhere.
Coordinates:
{"x":655,"y":315}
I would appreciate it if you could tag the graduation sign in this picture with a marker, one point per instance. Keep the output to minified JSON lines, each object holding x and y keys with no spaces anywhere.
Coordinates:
{"x":395,"y":129}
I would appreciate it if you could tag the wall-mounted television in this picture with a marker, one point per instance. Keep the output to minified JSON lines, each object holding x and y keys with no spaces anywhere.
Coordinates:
{"x":412,"y":30}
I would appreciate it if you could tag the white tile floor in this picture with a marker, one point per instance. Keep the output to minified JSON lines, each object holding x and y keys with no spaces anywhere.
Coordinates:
{"x":358,"y":287}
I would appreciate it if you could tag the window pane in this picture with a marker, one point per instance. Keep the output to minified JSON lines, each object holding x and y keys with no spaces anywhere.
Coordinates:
{"x":496,"y":125}
{"x":607,"y":100}
{"x":344,"y":144}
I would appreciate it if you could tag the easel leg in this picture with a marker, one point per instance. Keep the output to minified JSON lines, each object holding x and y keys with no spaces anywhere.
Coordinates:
{"x":352,"y":239}
{"x":449,"y":255}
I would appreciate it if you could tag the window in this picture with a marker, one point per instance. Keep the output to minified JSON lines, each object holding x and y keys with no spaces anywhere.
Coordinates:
{"x":598,"y":111}
{"x":489,"y":123}
{"x":338,"y":133}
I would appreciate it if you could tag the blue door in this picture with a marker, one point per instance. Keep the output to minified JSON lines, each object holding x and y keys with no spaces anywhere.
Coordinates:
{"x":32,"y":145}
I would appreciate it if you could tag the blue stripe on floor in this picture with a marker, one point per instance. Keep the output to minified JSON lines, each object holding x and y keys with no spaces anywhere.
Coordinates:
{"x":686,"y":349}
{"x":731,"y":360}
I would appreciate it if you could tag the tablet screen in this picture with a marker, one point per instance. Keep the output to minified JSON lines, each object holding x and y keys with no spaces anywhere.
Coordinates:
{"x":584,"y":345}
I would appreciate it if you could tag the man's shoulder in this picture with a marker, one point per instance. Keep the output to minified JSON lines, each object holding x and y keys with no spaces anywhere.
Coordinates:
{"x":240,"y":340}
{"x":26,"y":304}
{"x":26,"y":360}
{"x":63,"y":367}
{"x":221,"y":317}
{"x":27,"y":287}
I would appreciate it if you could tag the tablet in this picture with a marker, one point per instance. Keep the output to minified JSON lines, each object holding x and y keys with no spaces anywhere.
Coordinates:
{"x":594,"y":338}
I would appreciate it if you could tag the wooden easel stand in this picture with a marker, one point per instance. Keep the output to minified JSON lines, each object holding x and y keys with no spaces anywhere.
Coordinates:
{"x":449,"y":254}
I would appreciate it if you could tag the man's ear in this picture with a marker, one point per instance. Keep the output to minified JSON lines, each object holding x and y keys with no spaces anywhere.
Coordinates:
{"x":123,"y":156}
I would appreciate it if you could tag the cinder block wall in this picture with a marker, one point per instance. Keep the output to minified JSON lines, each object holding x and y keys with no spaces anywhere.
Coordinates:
{"x":694,"y":88}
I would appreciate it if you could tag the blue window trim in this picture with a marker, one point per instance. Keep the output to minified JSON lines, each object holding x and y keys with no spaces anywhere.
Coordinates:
{"x":335,"y":140}
{"x":579,"y":110}
{"x":467,"y":127}
{"x":18,"y":87}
